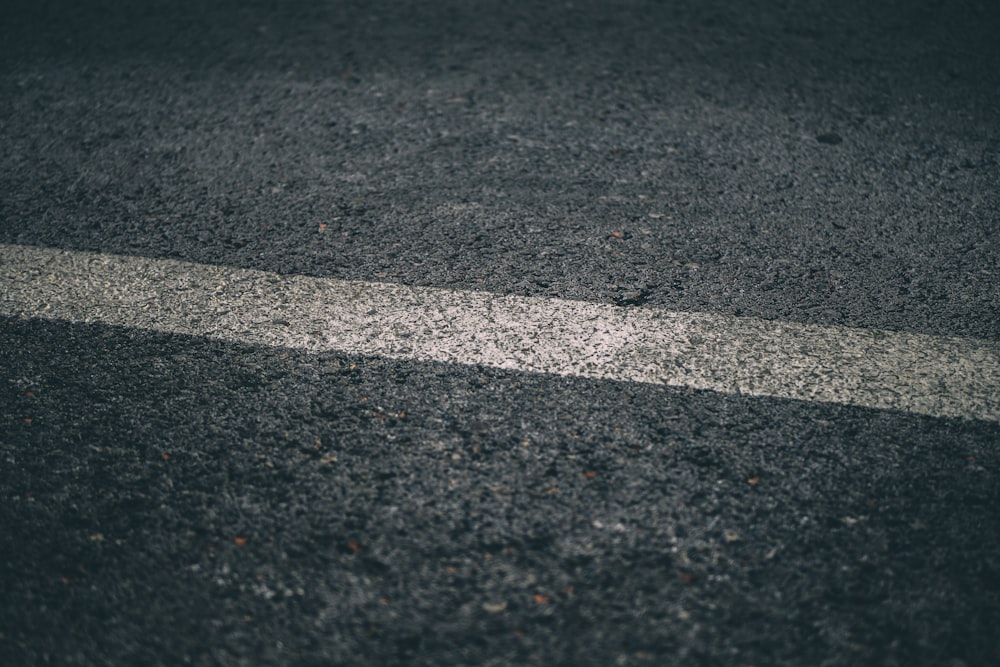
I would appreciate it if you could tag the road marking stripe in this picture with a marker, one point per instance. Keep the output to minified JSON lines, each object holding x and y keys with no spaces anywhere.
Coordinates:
{"x":932,"y":375}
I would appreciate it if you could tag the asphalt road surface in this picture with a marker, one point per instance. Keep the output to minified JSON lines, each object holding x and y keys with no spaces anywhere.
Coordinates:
{"x":199,"y":466}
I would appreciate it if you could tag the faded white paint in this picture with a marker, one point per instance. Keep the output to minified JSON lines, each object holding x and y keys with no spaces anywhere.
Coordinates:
{"x":932,"y":375}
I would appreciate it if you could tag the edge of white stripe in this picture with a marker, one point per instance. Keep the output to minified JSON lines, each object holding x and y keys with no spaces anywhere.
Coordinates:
{"x":918,"y":373}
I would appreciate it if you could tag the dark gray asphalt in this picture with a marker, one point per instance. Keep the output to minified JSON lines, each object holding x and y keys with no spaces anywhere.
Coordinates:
{"x":446,"y":143}
{"x":171,"y":500}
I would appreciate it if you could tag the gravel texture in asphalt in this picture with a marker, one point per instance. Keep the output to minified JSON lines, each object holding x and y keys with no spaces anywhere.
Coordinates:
{"x":169,"y":499}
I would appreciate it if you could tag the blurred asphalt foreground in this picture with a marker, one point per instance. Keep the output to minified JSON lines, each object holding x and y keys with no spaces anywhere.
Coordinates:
{"x":170,"y":499}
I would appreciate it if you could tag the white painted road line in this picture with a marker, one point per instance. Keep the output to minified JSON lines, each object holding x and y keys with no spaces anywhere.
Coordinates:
{"x":931,"y":375}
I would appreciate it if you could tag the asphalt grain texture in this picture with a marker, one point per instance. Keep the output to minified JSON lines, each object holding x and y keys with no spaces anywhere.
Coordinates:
{"x":175,"y":500}
{"x":831,"y":165}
